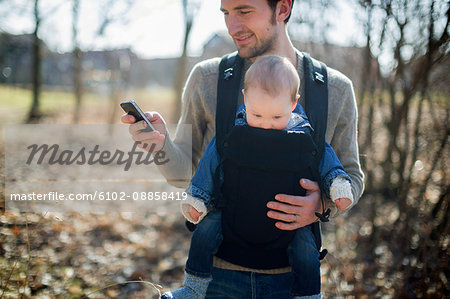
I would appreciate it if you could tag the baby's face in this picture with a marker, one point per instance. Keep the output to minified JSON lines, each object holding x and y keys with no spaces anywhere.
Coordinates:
{"x":268,"y":112}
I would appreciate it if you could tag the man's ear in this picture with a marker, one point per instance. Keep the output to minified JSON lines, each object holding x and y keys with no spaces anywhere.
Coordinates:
{"x":283,"y":10}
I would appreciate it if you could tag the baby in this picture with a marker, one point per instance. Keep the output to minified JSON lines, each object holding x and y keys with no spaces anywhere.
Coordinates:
{"x":270,"y":102}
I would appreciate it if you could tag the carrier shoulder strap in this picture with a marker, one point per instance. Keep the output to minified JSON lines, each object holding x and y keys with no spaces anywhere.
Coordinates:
{"x":316,"y":100}
{"x":316,"y":107}
{"x":230,"y":70}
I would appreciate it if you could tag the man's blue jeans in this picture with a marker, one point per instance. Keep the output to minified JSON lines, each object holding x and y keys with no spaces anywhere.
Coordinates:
{"x":238,"y":284}
{"x":302,"y":252}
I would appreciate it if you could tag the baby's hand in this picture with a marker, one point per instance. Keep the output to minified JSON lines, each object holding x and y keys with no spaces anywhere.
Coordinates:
{"x":343,"y":203}
{"x":194,"y":213}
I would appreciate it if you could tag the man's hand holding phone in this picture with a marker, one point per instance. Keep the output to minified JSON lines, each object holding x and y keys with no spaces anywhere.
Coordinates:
{"x":148,"y":128}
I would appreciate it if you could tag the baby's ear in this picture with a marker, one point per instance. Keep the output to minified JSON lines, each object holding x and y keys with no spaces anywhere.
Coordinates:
{"x":294,"y":104}
{"x":243,"y":92}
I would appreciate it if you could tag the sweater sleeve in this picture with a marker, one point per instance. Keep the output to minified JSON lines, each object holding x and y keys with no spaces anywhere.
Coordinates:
{"x":185,"y":150}
{"x":343,"y":115}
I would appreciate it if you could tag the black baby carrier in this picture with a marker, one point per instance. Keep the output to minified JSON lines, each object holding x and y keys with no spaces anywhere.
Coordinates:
{"x":255,"y":170}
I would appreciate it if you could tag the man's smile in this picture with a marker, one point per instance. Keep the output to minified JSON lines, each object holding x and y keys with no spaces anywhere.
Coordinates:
{"x":242,"y":39}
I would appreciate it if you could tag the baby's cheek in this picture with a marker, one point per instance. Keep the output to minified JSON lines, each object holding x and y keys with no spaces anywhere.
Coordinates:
{"x":282,"y":125}
{"x":251,"y":122}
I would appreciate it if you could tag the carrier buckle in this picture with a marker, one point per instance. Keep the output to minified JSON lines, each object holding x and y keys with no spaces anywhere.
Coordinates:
{"x":228,"y":73}
{"x":324,"y":217}
{"x":319,"y":77}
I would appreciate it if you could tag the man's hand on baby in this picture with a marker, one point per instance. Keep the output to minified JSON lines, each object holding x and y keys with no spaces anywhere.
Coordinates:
{"x":146,"y":139}
{"x":343,"y":203}
{"x":194,"y":213}
{"x":296,"y":211}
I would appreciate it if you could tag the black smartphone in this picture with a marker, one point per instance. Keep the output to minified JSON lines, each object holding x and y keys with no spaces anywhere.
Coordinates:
{"x":132,"y":108}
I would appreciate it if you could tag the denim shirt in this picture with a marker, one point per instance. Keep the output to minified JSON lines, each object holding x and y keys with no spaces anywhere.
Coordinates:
{"x":202,"y":184}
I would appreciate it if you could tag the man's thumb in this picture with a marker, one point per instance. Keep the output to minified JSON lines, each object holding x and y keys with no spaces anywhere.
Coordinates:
{"x":309,"y":185}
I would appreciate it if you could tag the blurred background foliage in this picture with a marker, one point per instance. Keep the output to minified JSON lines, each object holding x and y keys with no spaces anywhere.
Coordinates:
{"x":393,"y":244}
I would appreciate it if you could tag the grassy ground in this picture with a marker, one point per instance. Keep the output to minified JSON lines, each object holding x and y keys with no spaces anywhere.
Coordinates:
{"x":58,"y":106}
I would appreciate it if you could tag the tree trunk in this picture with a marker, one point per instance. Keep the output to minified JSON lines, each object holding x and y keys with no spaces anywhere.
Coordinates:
{"x":77,"y":60}
{"x":34,"y":112}
{"x":180,"y":76}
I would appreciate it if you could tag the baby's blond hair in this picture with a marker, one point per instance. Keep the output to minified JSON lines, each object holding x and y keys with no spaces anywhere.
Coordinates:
{"x":273,"y":73}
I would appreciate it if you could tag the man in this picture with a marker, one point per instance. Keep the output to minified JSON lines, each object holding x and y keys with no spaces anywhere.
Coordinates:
{"x":258,"y":27}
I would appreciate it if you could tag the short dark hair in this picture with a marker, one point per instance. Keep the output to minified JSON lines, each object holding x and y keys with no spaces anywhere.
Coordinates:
{"x":273,"y":5}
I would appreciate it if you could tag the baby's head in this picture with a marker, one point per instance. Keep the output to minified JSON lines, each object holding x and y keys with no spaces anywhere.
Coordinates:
{"x":270,"y":92}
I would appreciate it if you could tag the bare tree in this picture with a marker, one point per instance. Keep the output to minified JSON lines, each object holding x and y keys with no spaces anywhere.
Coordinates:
{"x":77,"y":61}
{"x":189,"y":12}
{"x":415,"y":35}
{"x":403,"y":135}
{"x":311,"y":23}
{"x":34,"y":112}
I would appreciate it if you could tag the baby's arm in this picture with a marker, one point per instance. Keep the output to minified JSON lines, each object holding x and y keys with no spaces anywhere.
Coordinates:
{"x":335,"y":181}
{"x":201,"y":187}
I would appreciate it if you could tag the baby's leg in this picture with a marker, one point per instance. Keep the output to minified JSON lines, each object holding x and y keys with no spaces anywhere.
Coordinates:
{"x":304,"y":260}
{"x":205,"y":242}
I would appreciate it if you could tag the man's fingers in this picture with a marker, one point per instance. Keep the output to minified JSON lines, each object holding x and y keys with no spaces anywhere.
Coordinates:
{"x":127,"y":119}
{"x":288,"y":226}
{"x":309,"y":185}
{"x":282,"y":216}
{"x":285,"y":208}
{"x":289,"y":199}
{"x":137,"y":127}
{"x":148,"y":136}
{"x":152,"y":116}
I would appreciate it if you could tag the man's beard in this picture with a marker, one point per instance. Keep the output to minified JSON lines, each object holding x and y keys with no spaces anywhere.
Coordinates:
{"x":263,"y":47}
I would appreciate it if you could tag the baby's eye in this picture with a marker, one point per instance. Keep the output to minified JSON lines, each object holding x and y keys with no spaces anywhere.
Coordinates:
{"x":257,"y":115}
{"x":277,"y":117}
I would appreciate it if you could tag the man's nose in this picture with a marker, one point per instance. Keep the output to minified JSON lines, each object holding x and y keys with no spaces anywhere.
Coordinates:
{"x":233,"y":25}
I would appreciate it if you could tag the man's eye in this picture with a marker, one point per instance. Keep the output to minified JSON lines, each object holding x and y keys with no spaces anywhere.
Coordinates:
{"x":244,"y":12}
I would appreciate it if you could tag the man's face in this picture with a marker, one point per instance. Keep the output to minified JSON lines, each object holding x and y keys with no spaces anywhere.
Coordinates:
{"x":252,"y":26}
